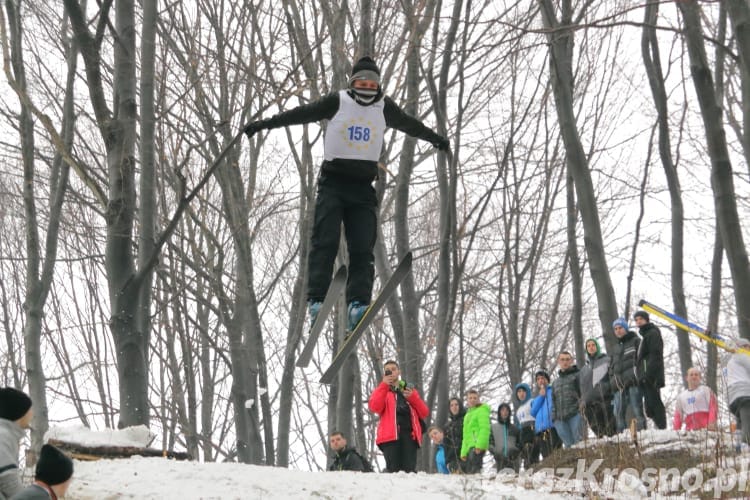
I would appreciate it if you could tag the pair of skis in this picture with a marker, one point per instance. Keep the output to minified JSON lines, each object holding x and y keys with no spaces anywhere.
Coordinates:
{"x":337,"y":285}
{"x":725,"y":343}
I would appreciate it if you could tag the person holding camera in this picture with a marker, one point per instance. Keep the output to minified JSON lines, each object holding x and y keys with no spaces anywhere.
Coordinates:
{"x":401,"y":411}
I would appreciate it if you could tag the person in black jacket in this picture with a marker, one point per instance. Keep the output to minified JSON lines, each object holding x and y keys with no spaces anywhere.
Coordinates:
{"x":651,"y":368}
{"x":346,"y":457}
{"x":357,"y":119}
{"x":566,"y":399}
{"x":623,"y":376}
{"x":454,"y":434}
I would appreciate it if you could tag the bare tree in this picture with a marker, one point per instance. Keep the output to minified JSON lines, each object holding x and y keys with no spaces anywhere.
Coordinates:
{"x":739,"y":13}
{"x":560,"y":33}
{"x":722,"y":181}
{"x":40,"y":259}
{"x":652,"y":61}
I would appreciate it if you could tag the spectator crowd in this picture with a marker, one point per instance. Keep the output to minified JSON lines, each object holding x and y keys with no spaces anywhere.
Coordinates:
{"x":607,"y":394}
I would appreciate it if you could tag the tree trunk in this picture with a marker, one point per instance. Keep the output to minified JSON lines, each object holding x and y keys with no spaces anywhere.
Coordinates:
{"x":575,"y":272}
{"x":560,"y":40}
{"x":714,"y":306}
{"x":722,"y":180}
{"x":449,"y":269}
{"x":652,"y":61}
{"x":147,"y":177}
{"x":39,"y":273}
{"x":739,"y":14}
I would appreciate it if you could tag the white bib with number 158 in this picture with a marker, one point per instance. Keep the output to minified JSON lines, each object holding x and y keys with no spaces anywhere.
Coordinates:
{"x":355,"y":132}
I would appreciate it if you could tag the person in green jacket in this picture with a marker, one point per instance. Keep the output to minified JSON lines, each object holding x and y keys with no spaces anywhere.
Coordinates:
{"x":476,"y":437}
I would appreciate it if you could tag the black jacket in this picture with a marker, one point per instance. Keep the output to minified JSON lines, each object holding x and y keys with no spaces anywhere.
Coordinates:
{"x":325,"y":109}
{"x":566,"y":393}
{"x":651,"y":356}
{"x":454,"y":434}
{"x":348,"y":459}
{"x":622,"y":367}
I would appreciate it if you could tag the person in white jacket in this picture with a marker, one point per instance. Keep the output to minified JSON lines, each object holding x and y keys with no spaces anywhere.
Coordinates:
{"x":696,"y":407}
{"x":738,"y":387}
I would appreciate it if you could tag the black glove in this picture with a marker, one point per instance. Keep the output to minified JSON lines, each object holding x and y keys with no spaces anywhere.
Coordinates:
{"x":251,"y":128}
{"x":442,"y":144}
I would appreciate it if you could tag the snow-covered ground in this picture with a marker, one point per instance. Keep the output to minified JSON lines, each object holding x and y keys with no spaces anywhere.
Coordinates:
{"x":162,"y":478}
{"x":168,"y":479}
{"x":152,"y":478}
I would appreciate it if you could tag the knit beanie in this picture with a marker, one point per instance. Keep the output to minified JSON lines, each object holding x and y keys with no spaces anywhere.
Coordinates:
{"x":365,"y":69}
{"x":620,"y":322}
{"x":642,"y":314}
{"x":54,"y":466}
{"x":13,"y":403}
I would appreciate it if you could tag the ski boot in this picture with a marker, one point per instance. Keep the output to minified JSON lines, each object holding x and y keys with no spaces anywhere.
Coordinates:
{"x":354,"y":313}
{"x":313,"y":308}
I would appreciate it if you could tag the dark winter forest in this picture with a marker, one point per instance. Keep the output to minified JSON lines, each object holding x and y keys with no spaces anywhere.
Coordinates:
{"x":599,"y":157}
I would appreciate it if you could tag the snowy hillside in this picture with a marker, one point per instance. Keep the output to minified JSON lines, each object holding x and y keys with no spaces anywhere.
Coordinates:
{"x":166,"y":479}
{"x":662,"y":463}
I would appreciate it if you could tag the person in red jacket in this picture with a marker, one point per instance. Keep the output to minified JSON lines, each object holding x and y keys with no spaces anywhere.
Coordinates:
{"x":400,"y":430}
{"x":695,"y":406}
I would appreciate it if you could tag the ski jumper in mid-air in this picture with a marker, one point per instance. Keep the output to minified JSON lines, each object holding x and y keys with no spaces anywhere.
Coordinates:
{"x":357,"y":118}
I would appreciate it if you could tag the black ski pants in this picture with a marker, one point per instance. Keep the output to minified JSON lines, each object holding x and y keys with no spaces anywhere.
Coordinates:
{"x":400,"y":455}
{"x":353,"y":203}
{"x":654,"y":405}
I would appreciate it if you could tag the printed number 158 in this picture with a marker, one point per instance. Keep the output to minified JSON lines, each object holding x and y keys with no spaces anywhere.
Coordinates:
{"x":359,"y":133}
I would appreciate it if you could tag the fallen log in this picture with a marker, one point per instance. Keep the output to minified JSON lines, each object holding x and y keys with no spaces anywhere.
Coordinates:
{"x":89,"y":453}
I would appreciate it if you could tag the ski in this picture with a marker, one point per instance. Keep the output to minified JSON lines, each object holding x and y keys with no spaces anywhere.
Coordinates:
{"x":720,"y":341}
{"x":351,"y":340}
{"x":338,"y":283}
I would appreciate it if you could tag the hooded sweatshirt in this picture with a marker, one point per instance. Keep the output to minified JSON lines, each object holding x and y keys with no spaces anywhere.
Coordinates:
{"x":594,"y":376}
{"x":524,"y":418}
{"x":504,"y":437}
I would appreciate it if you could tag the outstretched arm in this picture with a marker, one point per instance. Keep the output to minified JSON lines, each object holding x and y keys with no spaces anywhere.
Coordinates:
{"x":396,"y":118}
{"x":322,"y":109}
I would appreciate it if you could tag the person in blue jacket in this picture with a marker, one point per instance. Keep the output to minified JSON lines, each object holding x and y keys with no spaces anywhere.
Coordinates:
{"x":436,"y":435}
{"x":545,"y":435}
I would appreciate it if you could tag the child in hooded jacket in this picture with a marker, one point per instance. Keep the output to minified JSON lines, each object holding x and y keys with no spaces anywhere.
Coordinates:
{"x":524,"y":422}
{"x":504,"y":440}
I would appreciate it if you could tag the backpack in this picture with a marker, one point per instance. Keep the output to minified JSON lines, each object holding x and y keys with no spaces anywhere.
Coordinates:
{"x":367,"y":466}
